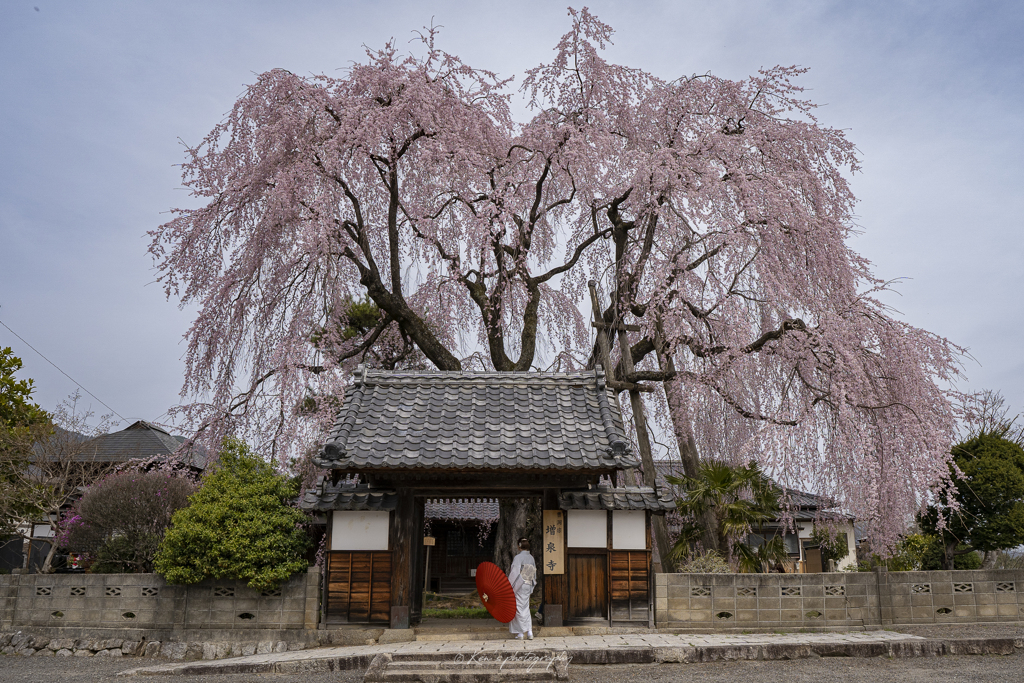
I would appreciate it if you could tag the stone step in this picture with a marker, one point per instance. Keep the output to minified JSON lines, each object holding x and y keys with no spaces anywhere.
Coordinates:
{"x":464,"y":676}
{"x":478,"y":667}
{"x":462,"y":629}
{"x":499,"y":634}
{"x":468,"y":663}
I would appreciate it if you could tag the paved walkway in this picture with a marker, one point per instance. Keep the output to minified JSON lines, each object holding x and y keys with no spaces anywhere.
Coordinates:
{"x":612,"y":649}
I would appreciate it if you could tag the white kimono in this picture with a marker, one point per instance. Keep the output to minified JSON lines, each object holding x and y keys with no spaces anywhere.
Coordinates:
{"x":523,"y":577}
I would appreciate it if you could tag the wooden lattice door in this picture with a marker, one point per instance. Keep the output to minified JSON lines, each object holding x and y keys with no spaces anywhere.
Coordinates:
{"x":629,"y":581}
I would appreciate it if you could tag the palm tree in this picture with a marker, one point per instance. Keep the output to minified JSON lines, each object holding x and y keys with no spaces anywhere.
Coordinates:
{"x":734,"y":500}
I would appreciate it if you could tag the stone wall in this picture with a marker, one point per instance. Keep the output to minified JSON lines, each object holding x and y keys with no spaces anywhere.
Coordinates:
{"x":146,"y":601}
{"x":837,"y":599}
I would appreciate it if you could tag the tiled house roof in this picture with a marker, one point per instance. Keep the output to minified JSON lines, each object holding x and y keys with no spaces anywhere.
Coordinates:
{"x":804,"y":505}
{"x":478,"y":421}
{"x":352,"y":494}
{"x":139,"y":440}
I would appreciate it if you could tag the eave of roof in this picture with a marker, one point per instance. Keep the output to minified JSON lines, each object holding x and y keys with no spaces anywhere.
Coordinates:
{"x":621,"y":498}
{"x":795,"y":499}
{"x":344,"y":496}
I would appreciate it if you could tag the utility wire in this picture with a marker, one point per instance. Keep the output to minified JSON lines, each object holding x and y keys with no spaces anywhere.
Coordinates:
{"x":61,"y":371}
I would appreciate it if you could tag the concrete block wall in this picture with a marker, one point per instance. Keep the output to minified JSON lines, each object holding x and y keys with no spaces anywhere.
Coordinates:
{"x":146,"y":601}
{"x":951,"y":596}
{"x":836,"y":599}
{"x":763,"y":601}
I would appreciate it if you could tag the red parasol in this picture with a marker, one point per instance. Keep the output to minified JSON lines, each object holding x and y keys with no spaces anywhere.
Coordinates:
{"x":496,"y":592}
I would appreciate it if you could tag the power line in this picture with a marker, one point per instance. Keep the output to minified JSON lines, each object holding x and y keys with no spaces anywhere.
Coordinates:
{"x":78,"y":384}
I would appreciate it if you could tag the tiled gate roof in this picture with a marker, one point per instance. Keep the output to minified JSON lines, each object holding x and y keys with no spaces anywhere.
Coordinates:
{"x":478,"y":421}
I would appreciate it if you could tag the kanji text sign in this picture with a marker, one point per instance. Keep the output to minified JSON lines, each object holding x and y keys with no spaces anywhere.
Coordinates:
{"x":554,"y":542}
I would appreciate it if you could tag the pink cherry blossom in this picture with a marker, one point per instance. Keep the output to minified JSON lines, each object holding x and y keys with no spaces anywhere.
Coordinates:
{"x":714,"y":213}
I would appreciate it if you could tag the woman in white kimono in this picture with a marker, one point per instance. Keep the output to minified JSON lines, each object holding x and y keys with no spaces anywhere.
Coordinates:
{"x":523,"y":577}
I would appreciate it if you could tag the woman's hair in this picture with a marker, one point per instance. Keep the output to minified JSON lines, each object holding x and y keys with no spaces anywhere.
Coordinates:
{"x":524,"y":544}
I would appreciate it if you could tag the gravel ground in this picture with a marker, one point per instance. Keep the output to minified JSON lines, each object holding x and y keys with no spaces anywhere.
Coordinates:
{"x":826,"y":670}
{"x":15,"y":669}
{"x":970,"y":669}
{"x":944,"y":631}
{"x":926,"y":670}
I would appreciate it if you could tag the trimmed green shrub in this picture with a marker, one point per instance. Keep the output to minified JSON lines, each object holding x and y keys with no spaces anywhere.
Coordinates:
{"x":238,"y":525}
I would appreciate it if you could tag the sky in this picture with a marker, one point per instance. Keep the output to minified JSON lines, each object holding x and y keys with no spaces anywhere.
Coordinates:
{"x":99,"y":97}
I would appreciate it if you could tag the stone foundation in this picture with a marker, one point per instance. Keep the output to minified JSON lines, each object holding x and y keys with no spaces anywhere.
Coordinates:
{"x":234,"y":645}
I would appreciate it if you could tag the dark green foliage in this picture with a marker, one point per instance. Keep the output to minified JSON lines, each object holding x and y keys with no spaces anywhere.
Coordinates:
{"x":833,"y":545}
{"x":934,"y":556}
{"x":361,"y":317}
{"x":760,"y":559}
{"x":238,"y":526}
{"x":919,"y":552}
{"x":121,"y":520}
{"x":16,"y":406}
{"x":736,"y":499}
{"x":22,"y":424}
{"x":990,"y":492}
{"x":356,"y":320}
{"x":905,"y":557}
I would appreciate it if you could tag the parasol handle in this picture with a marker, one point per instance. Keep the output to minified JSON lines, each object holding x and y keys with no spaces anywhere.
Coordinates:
{"x":484,"y":597}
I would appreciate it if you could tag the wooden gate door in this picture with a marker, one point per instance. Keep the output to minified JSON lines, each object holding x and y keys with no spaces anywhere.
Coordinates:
{"x":630,"y":579}
{"x":588,"y":586}
{"x":358,"y":587}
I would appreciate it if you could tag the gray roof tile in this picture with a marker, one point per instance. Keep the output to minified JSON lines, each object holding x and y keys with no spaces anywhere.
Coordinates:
{"x":797,"y":500}
{"x":139,"y":440}
{"x":345,"y":496}
{"x":495,"y":420}
{"x":624,"y":498}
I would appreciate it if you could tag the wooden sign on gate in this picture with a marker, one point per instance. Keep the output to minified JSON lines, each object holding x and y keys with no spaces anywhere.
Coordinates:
{"x":554,"y":542}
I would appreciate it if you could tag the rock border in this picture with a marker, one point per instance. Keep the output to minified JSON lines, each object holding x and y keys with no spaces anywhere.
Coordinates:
{"x":27,"y":644}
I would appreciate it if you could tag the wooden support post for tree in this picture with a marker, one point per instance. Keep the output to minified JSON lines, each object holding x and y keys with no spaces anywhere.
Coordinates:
{"x":639,"y":419}
{"x":603,"y":347}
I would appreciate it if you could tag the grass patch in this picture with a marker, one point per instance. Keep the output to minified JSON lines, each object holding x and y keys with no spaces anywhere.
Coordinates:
{"x":457,"y":613}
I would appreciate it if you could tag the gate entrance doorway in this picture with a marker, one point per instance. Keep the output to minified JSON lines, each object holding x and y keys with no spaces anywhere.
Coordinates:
{"x":403,"y":439}
{"x":459,"y":534}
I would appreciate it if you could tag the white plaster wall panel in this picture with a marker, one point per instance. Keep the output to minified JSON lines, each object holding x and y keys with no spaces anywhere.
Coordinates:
{"x":629,"y":530}
{"x":587,"y":529}
{"x":359,"y":530}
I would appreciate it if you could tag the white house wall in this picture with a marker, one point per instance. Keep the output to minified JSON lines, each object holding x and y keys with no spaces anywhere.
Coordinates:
{"x":805,"y":531}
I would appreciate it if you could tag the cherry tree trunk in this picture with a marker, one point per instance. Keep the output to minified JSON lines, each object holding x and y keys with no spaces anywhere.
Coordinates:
{"x":690,"y":457}
{"x":990,"y":559}
{"x":517,"y":518}
{"x":949,"y":554}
